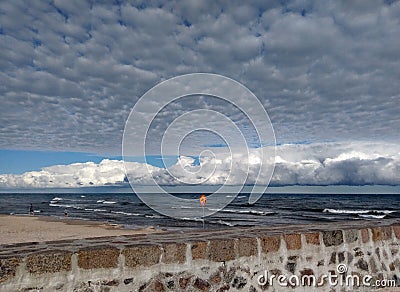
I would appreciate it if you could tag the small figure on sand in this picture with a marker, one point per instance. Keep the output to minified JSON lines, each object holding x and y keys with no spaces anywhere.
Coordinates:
{"x":31,"y":211}
{"x":65,"y":212}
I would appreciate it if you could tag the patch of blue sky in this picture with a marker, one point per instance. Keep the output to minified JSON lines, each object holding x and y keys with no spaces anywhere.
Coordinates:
{"x":20,"y":161}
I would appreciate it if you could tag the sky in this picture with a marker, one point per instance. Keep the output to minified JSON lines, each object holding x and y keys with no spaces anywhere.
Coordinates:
{"x":326,"y":72}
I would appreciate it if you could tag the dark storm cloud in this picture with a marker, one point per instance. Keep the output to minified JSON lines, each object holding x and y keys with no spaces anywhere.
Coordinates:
{"x":72,"y":70}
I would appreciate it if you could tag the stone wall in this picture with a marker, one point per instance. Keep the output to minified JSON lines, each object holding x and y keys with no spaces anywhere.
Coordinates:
{"x":233,"y":259}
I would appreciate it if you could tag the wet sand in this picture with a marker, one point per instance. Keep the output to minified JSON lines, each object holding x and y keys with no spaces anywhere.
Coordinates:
{"x":17,"y":229}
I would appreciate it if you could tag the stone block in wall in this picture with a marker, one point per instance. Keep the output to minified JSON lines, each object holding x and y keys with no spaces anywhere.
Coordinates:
{"x":154,"y":284}
{"x":376,"y":234}
{"x":350,"y":235}
{"x":396,"y":231}
{"x":89,"y":286}
{"x":293,"y":241}
{"x":291,"y":267}
{"x":358,"y":252}
{"x":341,"y":257}
{"x":222,"y":250}
{"x":362,"y":264}
{"x":247,"y":247}
{"x":215,"y":277}
{"x":397,"y":263}
{"x":239,"y":282}
{"x":143,"y":255}
{"x":332,"y":238}
{"x":49,"y":262}
{"x":333,"y":258}
{"x":350,"y":258}
{"x":312,"y":238}
{"x":201,"y":285}
{"x":98,"y":257}
{"x":270,"y":243}
{"x":184,"y":281}
{"x":228,"y":275}
{"x":372,"y":265}
{"x":8,"y":267}
{"x":199,"y":250}
{"x":386,"y":232}
{"x":364,"y":235}
{"x":174,"y":253}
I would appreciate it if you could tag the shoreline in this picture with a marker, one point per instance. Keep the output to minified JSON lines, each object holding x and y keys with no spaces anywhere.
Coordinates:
{"x":25,"y":228}
{"x":16,"y":229}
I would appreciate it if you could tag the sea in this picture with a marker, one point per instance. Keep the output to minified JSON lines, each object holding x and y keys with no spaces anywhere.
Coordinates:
{"x":271,"y":209}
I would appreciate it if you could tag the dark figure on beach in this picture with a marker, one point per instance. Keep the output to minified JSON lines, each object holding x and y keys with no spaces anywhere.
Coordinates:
{"x":31,"y":212}
{"x":65,"y":212}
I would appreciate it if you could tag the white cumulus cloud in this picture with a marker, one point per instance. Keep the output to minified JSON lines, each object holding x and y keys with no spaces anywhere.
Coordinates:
{"x":362,"y":163}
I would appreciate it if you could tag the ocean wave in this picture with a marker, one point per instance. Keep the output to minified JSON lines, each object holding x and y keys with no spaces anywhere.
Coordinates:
{"x":372,"y":216}
{"x":221,"y":222}
{"x":238,"y":197}
{"x":60,"y":205}
{"x":105,"y":202}
{"x":153,"y":216}
{"x":96,"y":210}
{"x":182,"y":207}
{"x":125,"y":213}
{"x":192,"y":219}
{"x":319,"y":217}
{"x":253,"y":212}
{"x":371,"y":212}
{"x":65,"y":206}
{"x":57,"y":199}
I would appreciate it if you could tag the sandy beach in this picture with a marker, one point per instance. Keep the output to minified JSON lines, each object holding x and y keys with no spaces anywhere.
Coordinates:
{"x":17,"y":229}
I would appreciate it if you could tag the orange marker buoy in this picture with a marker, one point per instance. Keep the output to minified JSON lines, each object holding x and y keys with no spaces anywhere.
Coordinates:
{"x":203,"y":200}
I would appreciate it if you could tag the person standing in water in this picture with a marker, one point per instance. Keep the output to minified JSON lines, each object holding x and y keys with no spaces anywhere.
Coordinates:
{"x":31,"y":211}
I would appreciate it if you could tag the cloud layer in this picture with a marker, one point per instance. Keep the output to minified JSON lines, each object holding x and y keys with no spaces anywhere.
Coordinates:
{"x":72,"y":70}
{"x":317,"y":164}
